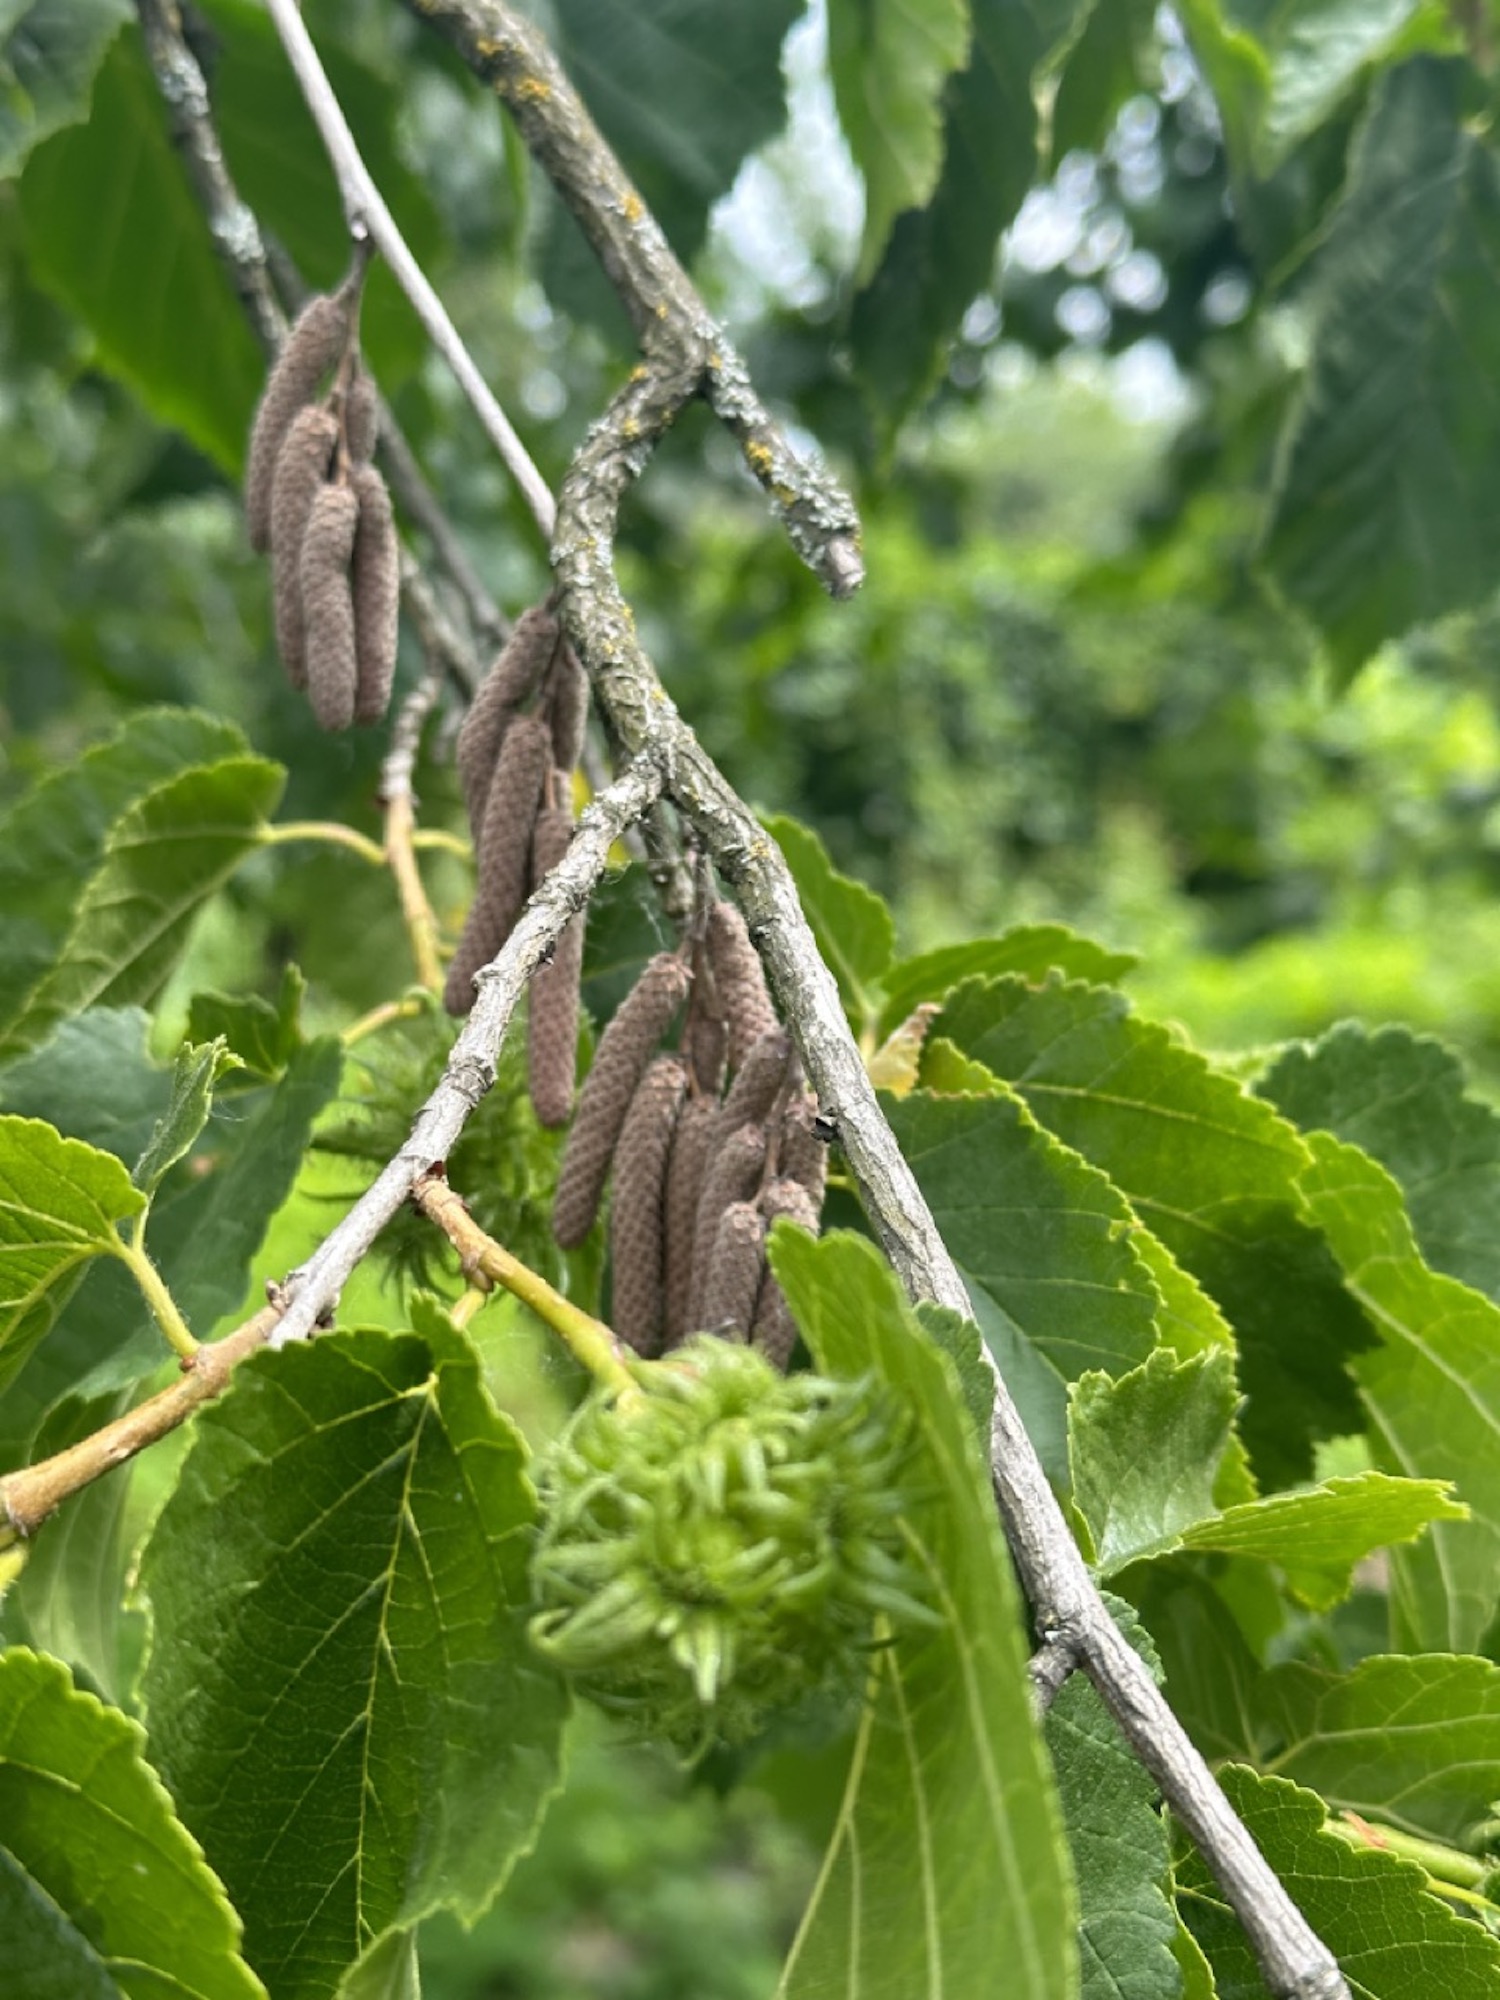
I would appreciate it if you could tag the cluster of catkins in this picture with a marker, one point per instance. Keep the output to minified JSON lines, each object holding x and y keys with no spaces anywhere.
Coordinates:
{"x":516,"y":751}
{"x":314,"y":500}
{"x":701,"y":1170}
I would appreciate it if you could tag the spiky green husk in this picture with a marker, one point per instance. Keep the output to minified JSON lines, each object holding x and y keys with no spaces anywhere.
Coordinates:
{"x":715,"y":1549}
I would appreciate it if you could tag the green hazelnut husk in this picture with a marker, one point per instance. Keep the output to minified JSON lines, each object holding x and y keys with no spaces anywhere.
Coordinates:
{"x":717,"y":1544}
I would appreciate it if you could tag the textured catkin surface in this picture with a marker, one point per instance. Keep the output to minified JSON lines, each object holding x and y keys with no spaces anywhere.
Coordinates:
{"x":759,"y":1081}
{"x":741,"y":984}
{"x":361,"y":417}
{"x":690,"y":1146}
{"x":735,"y":1263}
{"x":511,"y":680}
{"x":568,"y":708}
{"x":311,"y":348}
{"x":327,"y":606}
{"x":772,"y":1329}
{"x":625,"y":1048}
{"x":301,"y":472}
{"x":802,"y":1154}
{"x":635,"y":1219}
{"x":503,"y":861}
{"x":733,"y":1174}
{"x":375,"y":585}
{"x":552,"y":1028}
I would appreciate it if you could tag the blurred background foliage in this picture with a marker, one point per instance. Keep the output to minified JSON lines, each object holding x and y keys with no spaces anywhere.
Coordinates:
{"x":1067,"y":692}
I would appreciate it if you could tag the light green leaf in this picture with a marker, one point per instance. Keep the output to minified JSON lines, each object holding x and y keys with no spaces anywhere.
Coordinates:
{"x":1207,"y":1168}
{"x":389,"y":1972}
{"x":963,"y":1343}
{"x":1030,"y":951}
{"x":1044,"y":1245}
{"x":114,"y":231}
{"x":94,"y":1079}
{"x":1412,"y":1741}
{"x":103,"y":1894}
{"x":1386,"y":509}
{"x":52,"y":840}
{"x":1432,"y":1388}
{"x":164,"y":857}
{"x":948,"y":1858}
{"x":59,"y":1203}
{"x":850,"y":922}
{"x":340,"y":1690}
{"x":890,"y":61}
{"x":48,"y":59}
{"x":195,"y":1072}
{"x":263,"y":1036}
{"x":1188,"y":1320}
{"x":1197,"y":1973}
{"x":1371,"y":1909}
{"x":1400,"y":1098}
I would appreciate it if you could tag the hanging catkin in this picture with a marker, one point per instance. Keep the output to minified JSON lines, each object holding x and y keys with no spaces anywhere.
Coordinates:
{"x":706,"y":1041}
{"x":503,"y":857}
{"x":739,"y":980}
{"x":802,"y":1155}
{"x":759,"y":1082}
{"x":734,"y":1172}
{"x":625,"y":1048}
{"x":635,"y":1218}
{"x":734,"y":1272}
{"x":375,"y":584}
{"x":568,"y":707}
{"x":517,"y":669}
{"x":301,"y":472}
{"x":327,"y":607}
{"x":773,"y":1331}
{"x":361,"y":417}
{"x":690,"y":1146}
{"x":552,"y":1029}
{"x":309,"y":351}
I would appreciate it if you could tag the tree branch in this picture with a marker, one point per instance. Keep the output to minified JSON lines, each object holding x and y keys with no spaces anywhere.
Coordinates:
{"x":398,"y":805}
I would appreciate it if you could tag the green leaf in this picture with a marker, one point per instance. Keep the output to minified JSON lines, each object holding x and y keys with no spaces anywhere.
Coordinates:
{"x":48,"y":59}
{"x":1432,"y":1388}
{"x":1030,"y":951}
{"x":114,"y":232}
{"x":94,"y":1079}
{"x":850,"y":922}
{"x":890,"y":61}
{"x":625,"y":928}
{"x":1386,"y":509}
{"x":263,"y":1036}
{"x":1411,"y":1741}
{"x":1371,"y":1909}
{"x":194,"y":1074}
{"x":1400,"y":1098}
{"x":1044,"y":1245}
{"x":1212,"y":1677}
{"x":52,"y":840}
{"x":963,"y":1343}
{"x":1120,"y":1852}
{"x":1099,"y":73}
{"x":163,"y":859}
{"x":59,"y":1203}
{"x":1207,"y":1168}
{"x":948,"y":1858}
{"x":103,"y":1894}
{"x":389,"y":1972}
{"x":1144,"y":1451}
{"x":340,"y":1690}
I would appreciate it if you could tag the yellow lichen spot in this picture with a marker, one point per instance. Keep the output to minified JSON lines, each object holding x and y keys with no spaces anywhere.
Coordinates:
{"x":784,"y":494}
{"x":639,"y":372}
{"x":633,"y":208}
{"x":760,"y":456}
{"x":488,"y":48}
{"x":632,"y":429}
{"x":661,"y":311}
{"x":532,"y":90}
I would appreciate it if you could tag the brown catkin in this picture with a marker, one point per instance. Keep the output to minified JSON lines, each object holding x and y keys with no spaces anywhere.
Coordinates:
{"x":517,"y":668}
{"x":375,"y":584}
{"x":504,"y":856}
{"x":328,"y":608}
{"x":361,"y":417}
{"x":309,"y":351}
{"x":635,"y":1219}
{"x":734,"y":1171}
{"x":802,"y":1155}
{"x":552,"y":1027}
{"x":756,"y":1088}
{"x":301,"y":473}
{"x":568,"y":708}
{"x":772,"y":1329}
{"x":739,"y":980}
{"x":690,"y":1146}
{"x":735,"y":1264}
{"x":706,"y":1042}
{"x":625,"y":1048}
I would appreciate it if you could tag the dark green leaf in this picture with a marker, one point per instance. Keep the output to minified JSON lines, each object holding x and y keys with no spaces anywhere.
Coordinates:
{"x":52,"y":840}
{"x":163,"y":859}
{"x":948,"y":1859}
{"x":850,"y":922}
{"x":1432,"y":1388}
{"x":103,"y":1894}
{"x":59,"y":1203}
{"x":48,"y":58}
{"x":1099,"y":73}
{"x":1400,"y":1098}
{"x":1209,"y":1169}
{"x":1371,"y":1909}
{"x":94,"y":1079}
{"x":264,"y":1037}
{"x":625,"y":928}
{"x":1030,"y":951}
{"x":340,"y":1689}
{"x":115,"y":233}
{"x":1387,"y":504}
{"x":962,"y":1342}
